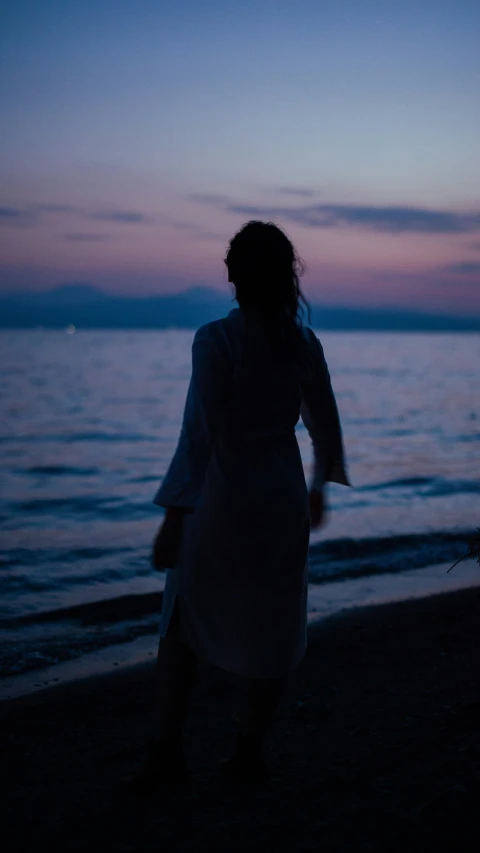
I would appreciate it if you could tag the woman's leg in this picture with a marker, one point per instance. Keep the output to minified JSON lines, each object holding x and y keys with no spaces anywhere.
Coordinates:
{"x":246,"y":764}
{"x":264,"y":698}
{"x":175,"y":674}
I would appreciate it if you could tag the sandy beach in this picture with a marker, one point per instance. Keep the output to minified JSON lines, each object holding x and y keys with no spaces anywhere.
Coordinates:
{"x":376,"y":748}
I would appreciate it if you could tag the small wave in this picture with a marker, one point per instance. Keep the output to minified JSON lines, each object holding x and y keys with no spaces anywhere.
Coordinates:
{"x":46,"y":556}
{"x":59,"y":470}
{"x":428,"y":486}
{"x":368,"y":421}
{"x":65,"y":643}
{"x":455,"y":487}
{"x":68,"y":438}
{"x":85,"y":506}
{"x":398,"y":484}
{"x":148,"y":478}
{"x":21,"y":583}
{"x":340,"y":559}
{"x":137,"y":567}
{"x":475,"y":436}
{"x":121,"y":609}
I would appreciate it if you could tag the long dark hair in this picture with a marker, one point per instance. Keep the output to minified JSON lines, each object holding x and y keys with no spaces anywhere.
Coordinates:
{"x":265,"y":268}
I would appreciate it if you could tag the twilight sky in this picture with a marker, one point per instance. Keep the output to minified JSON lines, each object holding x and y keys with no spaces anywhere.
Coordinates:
{"x":138,"y":136}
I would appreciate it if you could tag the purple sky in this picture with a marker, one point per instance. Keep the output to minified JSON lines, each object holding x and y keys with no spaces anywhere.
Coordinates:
{"x":139,"y":135}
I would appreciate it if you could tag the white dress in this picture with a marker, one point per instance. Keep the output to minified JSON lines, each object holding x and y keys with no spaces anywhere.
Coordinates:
{"x":242,"y":573}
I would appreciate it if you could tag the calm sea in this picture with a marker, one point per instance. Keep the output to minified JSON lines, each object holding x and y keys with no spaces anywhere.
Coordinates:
{"x":89,"y":422}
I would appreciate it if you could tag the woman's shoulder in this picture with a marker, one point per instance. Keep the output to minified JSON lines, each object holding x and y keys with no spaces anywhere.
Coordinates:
{"x":216,"y":340}
{"x":218,"y":329}
{"x":311,"y":338}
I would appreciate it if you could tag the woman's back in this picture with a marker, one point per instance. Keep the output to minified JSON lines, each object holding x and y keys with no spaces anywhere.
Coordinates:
{"x":264,"y":395}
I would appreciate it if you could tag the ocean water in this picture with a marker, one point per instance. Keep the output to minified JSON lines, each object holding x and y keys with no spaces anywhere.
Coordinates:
{"x":89,"y":422}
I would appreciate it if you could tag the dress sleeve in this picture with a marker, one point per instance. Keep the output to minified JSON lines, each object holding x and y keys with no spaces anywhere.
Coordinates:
{"x":204,"y":408}
{"x":320,"y":415}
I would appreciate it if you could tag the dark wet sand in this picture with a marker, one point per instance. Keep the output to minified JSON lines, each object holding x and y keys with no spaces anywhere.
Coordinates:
{"x":376,"y":748}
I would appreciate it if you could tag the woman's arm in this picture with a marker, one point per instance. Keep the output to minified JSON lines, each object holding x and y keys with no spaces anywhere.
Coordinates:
{"x":320,"y":415}
{"x":204,"y":408}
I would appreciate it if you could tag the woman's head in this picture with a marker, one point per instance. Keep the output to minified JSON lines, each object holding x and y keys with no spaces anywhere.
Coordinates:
{"x":265,"y":269}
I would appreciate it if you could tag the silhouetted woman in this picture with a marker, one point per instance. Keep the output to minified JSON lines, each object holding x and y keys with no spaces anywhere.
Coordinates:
{"x":238,"y":511}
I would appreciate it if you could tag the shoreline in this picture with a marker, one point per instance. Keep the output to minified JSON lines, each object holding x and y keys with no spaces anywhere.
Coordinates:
{"x":324,"y":601}
{"x":376,"y":748}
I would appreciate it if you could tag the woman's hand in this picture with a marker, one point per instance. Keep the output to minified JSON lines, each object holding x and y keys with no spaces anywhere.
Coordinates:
{"x":166,"y":545}
{"x":318,"y":508}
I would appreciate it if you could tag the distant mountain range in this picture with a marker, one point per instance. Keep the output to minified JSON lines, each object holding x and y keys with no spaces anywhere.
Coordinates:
{"x":87,"y":307}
